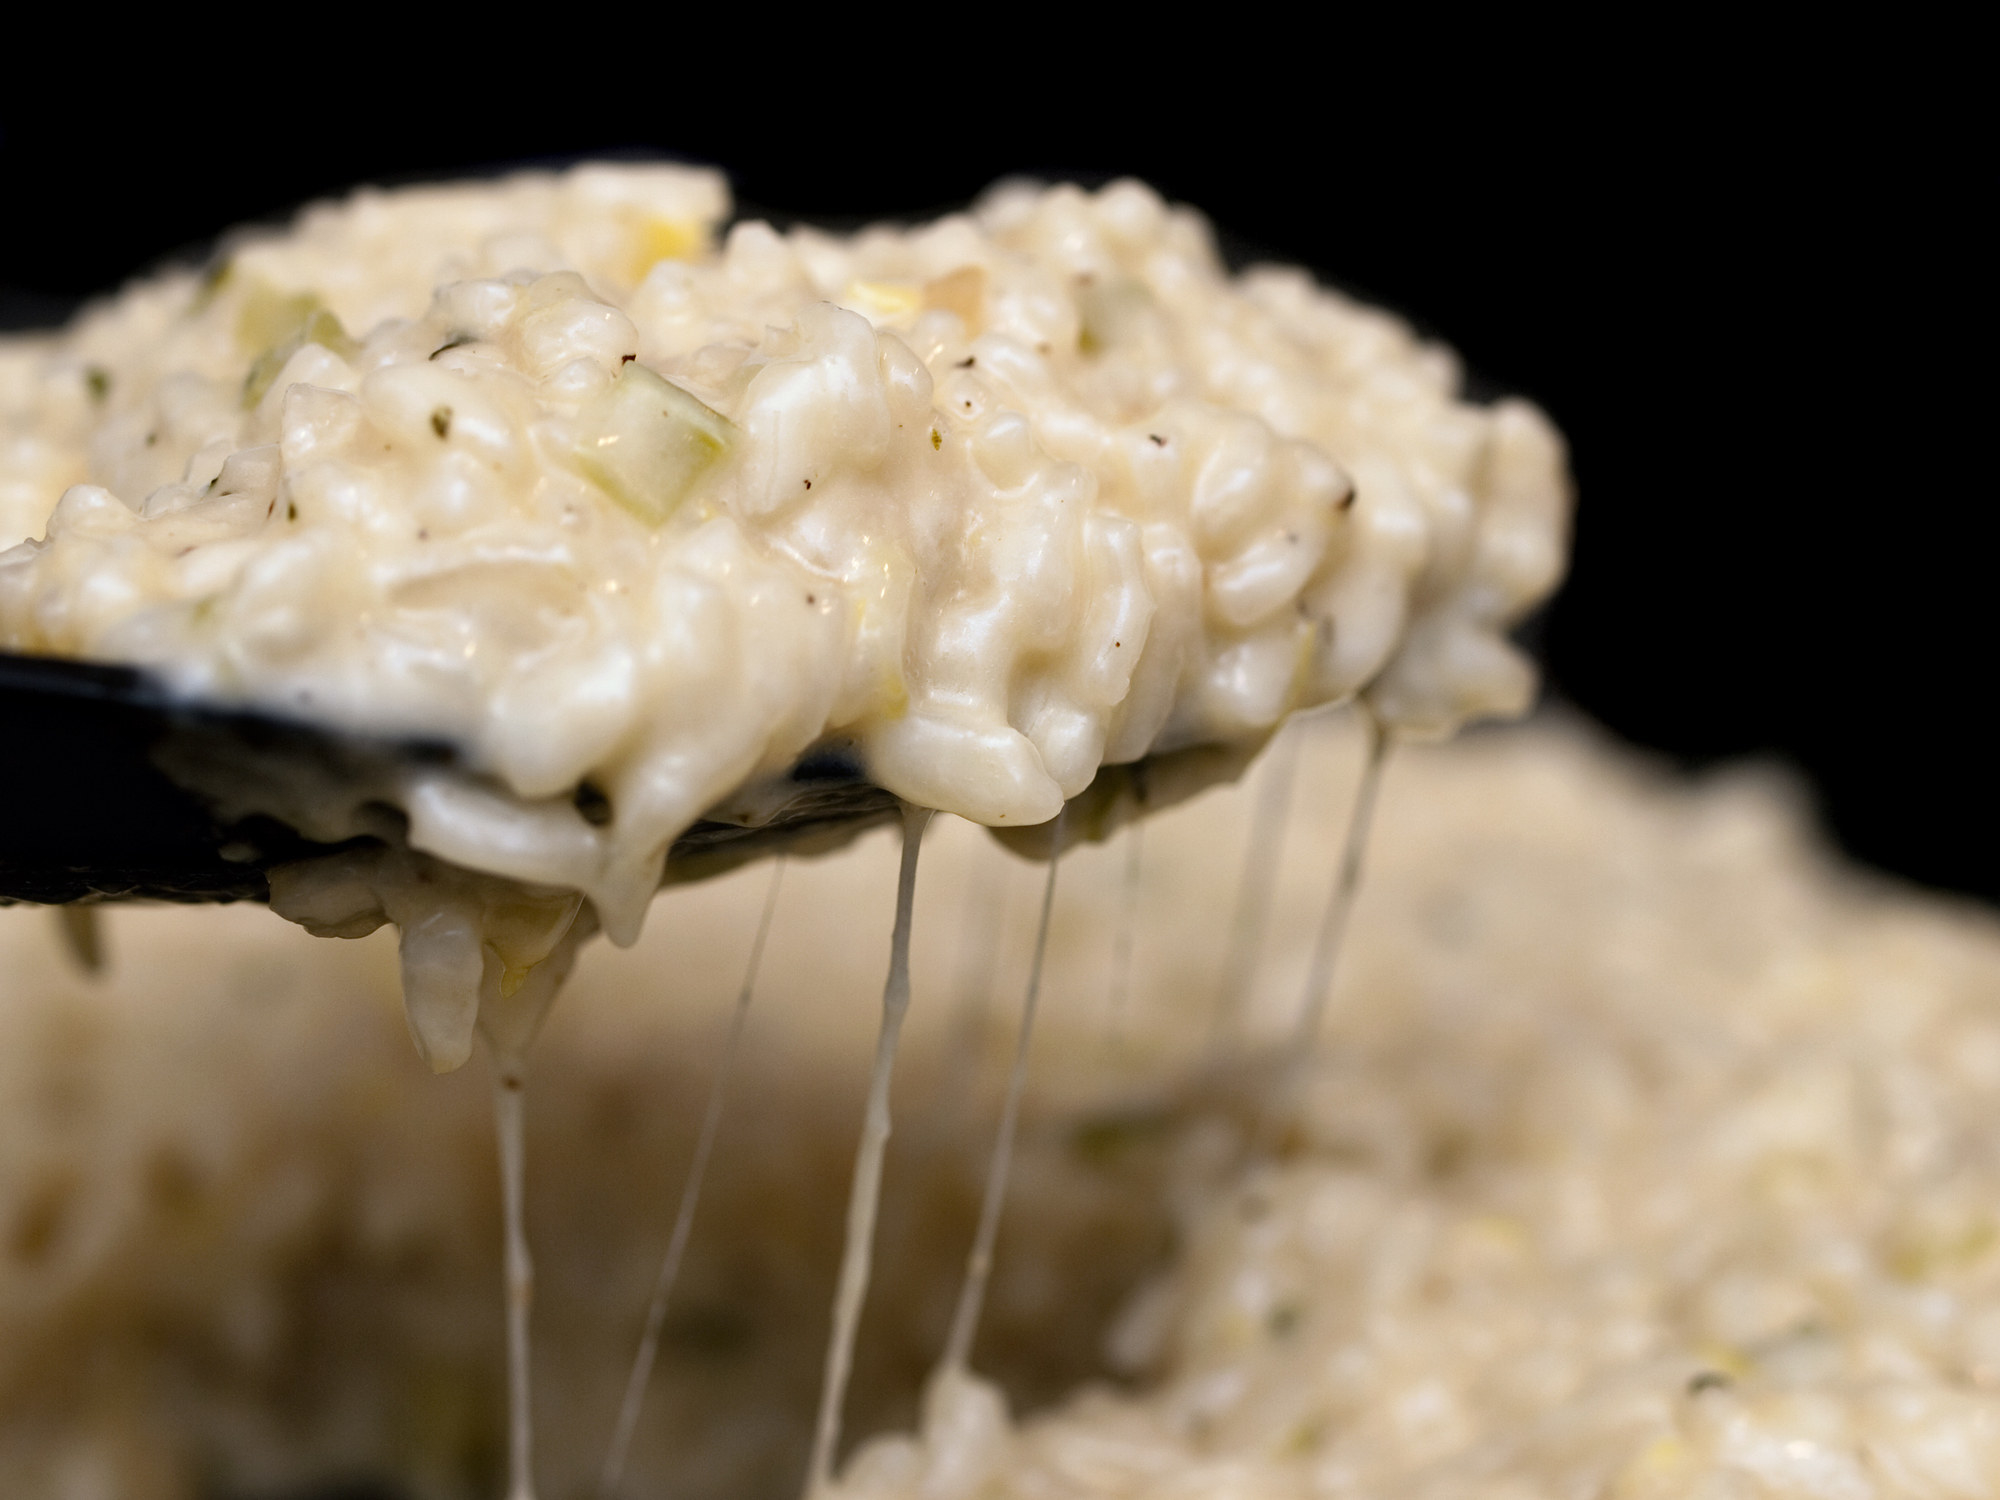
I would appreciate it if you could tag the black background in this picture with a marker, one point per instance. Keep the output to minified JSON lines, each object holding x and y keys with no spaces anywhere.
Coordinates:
{"x":1744,"y":286}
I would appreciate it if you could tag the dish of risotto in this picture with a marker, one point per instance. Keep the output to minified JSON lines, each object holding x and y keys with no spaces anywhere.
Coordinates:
{"x":1631,"y":1147}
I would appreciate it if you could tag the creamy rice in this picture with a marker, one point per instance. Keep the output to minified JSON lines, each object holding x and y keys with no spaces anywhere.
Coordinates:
{"x":1652,"y":1155}
{"x":638,"y":513}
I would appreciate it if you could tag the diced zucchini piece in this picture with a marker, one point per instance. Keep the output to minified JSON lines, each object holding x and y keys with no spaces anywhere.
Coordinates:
{"x":280,"y":326}
{"x":648,"y":442}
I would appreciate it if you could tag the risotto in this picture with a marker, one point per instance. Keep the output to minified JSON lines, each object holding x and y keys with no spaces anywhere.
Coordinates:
{"x":1620,"y":1180}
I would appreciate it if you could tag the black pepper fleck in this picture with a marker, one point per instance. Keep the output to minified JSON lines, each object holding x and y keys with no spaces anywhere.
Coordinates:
{"x":1156,"y":440}
{"x":441,"y":422}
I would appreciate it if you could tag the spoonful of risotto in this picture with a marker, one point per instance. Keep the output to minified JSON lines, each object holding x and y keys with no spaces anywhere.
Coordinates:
{"x":649,"y":524}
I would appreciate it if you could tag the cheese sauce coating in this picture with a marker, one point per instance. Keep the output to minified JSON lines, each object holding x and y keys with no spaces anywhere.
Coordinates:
{"x":639,"y":512}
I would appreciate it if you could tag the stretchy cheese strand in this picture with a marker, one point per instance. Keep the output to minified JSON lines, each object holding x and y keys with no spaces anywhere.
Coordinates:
{"x":677,"y":1241}
{"x":979,"y":1266}
{"x":864,"y":1198}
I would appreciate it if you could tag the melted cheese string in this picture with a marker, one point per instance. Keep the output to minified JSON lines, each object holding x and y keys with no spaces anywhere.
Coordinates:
{"x":864,"y":1198}
{"x":82,"y":929}
{"x":677,"y":1241}
{"x":1332,"y":932}
{"x":509,"y":1085}
{"x":979,"y":1265}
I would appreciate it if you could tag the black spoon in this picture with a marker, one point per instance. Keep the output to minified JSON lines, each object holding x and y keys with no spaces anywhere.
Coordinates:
{"x":92,"y":816}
